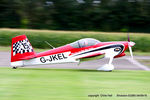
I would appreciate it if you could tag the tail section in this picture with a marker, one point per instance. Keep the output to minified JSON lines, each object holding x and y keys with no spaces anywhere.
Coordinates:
{"x":21,"y":49}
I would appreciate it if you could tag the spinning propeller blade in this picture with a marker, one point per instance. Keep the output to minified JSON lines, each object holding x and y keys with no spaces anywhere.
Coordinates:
{"x":130,"y":44}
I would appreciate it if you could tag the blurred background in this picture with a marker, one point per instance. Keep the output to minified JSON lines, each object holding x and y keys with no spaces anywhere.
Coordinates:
{"x":70,"y":20}
{"x":93,"y":15}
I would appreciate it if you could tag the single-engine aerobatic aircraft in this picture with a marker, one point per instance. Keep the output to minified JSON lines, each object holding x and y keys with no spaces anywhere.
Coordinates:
{"x":22,"y":53}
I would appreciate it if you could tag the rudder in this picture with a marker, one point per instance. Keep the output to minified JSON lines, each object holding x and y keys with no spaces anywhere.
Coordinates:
{"x":21,"y":49}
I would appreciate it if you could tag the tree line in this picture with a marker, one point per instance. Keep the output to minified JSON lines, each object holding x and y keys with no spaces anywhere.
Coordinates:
{"x":105,"y":15}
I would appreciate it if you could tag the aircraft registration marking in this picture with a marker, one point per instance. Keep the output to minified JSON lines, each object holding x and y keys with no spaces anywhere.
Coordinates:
{"x":55,"y":57}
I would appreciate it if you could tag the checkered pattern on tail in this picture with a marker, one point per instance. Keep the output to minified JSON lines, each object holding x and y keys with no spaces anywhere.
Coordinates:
{"x":21,"y":47}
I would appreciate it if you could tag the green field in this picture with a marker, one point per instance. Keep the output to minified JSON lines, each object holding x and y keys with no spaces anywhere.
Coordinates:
{"x":66,"y":84}
{"x":59,"y":38}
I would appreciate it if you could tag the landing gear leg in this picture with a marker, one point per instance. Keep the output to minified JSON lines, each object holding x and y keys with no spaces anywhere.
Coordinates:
{"x":107,"y":67}
{"x":14,"y":67}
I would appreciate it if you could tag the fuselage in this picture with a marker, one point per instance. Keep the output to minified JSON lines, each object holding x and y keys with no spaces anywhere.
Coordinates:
{"x":22,"y":53}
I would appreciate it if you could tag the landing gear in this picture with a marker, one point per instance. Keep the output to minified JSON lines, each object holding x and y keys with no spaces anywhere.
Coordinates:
{"x":107,"y":67}
{"x":14,"y":67}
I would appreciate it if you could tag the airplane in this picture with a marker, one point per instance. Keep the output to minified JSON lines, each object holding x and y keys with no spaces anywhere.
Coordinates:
{"x":22,"y":53}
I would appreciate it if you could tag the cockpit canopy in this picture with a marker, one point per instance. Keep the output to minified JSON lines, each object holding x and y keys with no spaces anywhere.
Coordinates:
{"x":84,"y":43}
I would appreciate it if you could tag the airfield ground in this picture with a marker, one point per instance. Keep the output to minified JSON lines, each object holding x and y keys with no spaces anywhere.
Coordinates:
{"x":145,"y":62}
{"x":68,"y":84}
{"x":83,"y":82}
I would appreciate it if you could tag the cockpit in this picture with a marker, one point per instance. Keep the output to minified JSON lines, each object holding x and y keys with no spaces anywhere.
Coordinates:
{"x":84,"y":43}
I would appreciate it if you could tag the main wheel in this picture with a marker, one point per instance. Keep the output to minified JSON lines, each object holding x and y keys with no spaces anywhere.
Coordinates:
{"x":14,"y":68}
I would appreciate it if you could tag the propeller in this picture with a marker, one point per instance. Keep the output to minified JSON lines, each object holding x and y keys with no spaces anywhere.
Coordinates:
{"x":130,"y":44}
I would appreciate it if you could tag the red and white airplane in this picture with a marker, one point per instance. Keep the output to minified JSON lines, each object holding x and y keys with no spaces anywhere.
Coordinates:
{"x":22,"y":53}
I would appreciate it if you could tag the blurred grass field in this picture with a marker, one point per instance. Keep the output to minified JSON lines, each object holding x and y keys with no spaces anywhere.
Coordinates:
{"x":67,"y":84}
{"x":59,"y":38}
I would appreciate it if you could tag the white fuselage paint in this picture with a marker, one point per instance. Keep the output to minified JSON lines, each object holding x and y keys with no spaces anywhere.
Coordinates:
{"x":51,"y":59}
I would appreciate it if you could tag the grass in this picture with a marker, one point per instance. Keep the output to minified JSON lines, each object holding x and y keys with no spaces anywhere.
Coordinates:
{"x":59,"y":38}
{"x":66,"y":84}
{"x":137,"y":53}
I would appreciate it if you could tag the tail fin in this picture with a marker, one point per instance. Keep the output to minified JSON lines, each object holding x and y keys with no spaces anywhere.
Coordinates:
{"x":21,"y":49}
